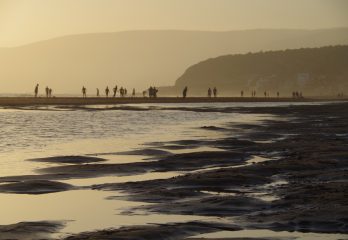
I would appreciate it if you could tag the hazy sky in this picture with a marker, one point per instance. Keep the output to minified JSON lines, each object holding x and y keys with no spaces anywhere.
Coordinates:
{"x":24,"y":21}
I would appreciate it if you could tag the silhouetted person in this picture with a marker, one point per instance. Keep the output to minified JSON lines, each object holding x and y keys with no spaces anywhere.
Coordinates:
{"x":209,"y":92}
{"x":184,"y":92}
{"x":150,"y":92}
{"x":36,"y":90}
{"x":155,"y":91}
{"x":47,"y":91}
{"x":278,"y":94}
{"x":84,"y":92}
{"x":107,"y":91}
{"x":98,"y":92}
{"x":265,"y":94}
{"x":125,"y":91}
{"x":122,"y":92}
{"x":215,"y":92}
{"x":115,"y":90}
{"x":50,"y":92}
{"x":133,"y":93}
{"x":242,"y":93}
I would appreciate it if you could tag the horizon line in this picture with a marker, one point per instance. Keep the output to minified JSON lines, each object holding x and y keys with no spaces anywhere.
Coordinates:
{"x":171,"y":30}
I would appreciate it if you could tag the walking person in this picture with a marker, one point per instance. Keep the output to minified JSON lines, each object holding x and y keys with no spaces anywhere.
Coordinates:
{"x":47,"y":91}
{"x":184,"y":92}
{"x":36,"y":90}
{"x":84,"y":92}
{"x":155,"y":91}
{"x":121,"y":91}
{"x":107,"y":91}
{"x":115,"y":90}
{"x":150,"y":92}
{"x":215,"y":92}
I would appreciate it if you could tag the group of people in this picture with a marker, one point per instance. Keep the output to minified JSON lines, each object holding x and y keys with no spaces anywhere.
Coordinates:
{"x":122,"y":91}
{"x":214,"y":92}
{"x":48,"y":92}
{"x":152,"y":92}
{"x":253,"y":94}
{"x":297,"y":94}
{"x":211,"y":92}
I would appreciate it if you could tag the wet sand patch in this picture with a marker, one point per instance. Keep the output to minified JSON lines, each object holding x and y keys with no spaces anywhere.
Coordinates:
{"x":69,"y":159}
{"x":34,"y":187}
{"x":158,"y":231}
{"x":30,"y":230}
{"x":311,"y":169}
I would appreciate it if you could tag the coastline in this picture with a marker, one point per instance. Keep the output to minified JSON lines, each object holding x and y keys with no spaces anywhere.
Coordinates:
{"x":28,"y":101}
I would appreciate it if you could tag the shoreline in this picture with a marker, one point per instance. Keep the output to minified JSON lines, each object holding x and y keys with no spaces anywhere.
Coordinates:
{"x":28,"y":101}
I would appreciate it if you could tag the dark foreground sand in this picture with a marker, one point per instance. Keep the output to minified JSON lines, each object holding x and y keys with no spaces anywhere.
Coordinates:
{"x":302,"y":187}
{"x":29,"y":101}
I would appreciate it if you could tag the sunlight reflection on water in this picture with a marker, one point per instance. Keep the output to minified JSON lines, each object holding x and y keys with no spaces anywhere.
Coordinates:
{"x":33,"y":134}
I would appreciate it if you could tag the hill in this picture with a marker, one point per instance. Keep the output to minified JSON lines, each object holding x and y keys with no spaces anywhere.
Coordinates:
{"x":314,"y":71}
{"x":139,"y":58}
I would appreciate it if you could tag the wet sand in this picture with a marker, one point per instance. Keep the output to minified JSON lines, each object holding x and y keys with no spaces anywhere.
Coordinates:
{"x":29,"y":230}
{"x":300,"y":184}
{"x":30,"y":101}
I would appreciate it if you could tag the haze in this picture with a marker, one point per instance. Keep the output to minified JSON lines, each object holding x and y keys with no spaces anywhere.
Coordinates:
{"x":65,"y":44}
{"x":24,"y":21}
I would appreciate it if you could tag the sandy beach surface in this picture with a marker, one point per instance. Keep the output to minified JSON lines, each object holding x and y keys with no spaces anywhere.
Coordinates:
{"x":28,"y":101}
{"x":282,"y":177}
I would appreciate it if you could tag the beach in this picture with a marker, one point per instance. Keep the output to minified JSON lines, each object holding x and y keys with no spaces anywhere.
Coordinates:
{"x":267,"y":170}
{"x":30,"y":101}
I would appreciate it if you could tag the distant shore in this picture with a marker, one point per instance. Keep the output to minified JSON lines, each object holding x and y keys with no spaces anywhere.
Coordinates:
{"x":28,"y":101}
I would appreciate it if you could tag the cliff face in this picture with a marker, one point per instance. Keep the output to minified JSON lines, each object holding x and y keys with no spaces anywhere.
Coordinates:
{"x":137,"y":59}
{"x":314,"y":71}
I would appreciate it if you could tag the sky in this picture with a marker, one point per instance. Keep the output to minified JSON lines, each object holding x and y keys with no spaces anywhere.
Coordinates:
{"x":26,"y":21}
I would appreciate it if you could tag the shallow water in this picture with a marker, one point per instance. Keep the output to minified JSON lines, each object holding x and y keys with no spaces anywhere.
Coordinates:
{"x":84,"y":210}
{"x":32,"y":134}
{"x":27,"y":134}
{"x":35,"y":134}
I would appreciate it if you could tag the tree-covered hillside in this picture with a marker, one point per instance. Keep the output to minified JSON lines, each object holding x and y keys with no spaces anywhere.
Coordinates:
{"x":314,"y":71}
